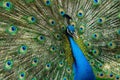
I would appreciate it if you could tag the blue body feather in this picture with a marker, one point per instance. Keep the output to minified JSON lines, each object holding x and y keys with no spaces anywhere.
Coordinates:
{"x":81,"y":67}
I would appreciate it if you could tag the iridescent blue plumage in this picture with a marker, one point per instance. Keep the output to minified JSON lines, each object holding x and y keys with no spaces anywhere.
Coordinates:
{"x":81,"y":67}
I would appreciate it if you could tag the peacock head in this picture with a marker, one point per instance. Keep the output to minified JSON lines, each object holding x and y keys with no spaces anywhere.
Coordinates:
{"x":70,"y":28}
{"x":71,"y":31}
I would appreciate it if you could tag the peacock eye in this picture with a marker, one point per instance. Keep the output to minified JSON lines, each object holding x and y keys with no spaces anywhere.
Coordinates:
{"x":48,"y":66}
{"x":81,"y":29}
{"x":96,"y":2}
{"x":117,"y":77}
{"x":35,"y":61}
{"x":62,"y":52}
{"x":8,"y":64}
{"x":61,"y":11}
{"x":92,"y":62}
{"x":100,"y":65}
{"x":111,"y":45}
{"x":111,"y":75}
{"x":23,"y":49}
{"x":61,"y":63}
{"x":47,"y":2}
{"x":52,"y":48}
{"x":63,"y":28}
{"x":80,"y":14}
{"x":101,"y":20}
{"x":52,"y":22}
{"x":73,"y":24}
{"x":12,"y":30}
{"x":31,"y":19}
{"x":7,"y":5}
{"x":21,"y":75}
{"x":82,"y":37}
{"x":41,"y":38}
{"x":96,"y":52}
{"x":68,"y":70}
{"x":58,"y":36}
{"x":96,"y":36}
{"x":88,"y":44}
{"x":101,"y":74}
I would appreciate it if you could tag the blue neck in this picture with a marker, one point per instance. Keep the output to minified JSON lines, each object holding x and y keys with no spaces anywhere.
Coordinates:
{"x":81,"y":67}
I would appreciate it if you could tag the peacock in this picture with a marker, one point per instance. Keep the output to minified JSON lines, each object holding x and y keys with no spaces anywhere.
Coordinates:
{"x":59,"y":39}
